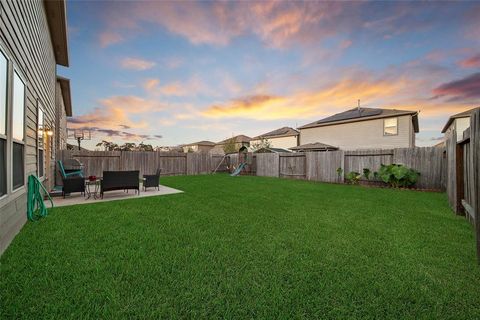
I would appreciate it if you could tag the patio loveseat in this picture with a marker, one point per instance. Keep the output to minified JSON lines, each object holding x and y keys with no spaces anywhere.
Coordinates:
{"x":119,"y":180}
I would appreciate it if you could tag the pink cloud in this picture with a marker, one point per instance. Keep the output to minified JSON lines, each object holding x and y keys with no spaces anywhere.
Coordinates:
{"x":108,"y":38}
{"x":464,"y":89}
{"x":191,"y":87}
{"x":137,"y":64}
{"x":117,"y":113}
{"x":472,"y":62}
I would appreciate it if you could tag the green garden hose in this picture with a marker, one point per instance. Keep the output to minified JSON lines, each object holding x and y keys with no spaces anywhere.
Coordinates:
{"x":36,"y":208}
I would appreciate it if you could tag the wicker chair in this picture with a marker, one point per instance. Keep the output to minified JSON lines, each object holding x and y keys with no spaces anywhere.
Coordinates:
{"x":152,"y":180}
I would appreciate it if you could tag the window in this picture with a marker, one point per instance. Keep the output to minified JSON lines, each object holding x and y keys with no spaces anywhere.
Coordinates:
{"x":390,"y":127}
{"x":3,"y":123}
{"x":18,"y":128}
{"x":41,"y":142}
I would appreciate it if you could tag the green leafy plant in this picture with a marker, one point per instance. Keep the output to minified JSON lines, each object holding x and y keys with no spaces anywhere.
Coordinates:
{"x":353,"y":177}
{"x":339,"y":172}
{"x":375,"y":175}
{"x":366,"y":173}
{"x":398,"y":175}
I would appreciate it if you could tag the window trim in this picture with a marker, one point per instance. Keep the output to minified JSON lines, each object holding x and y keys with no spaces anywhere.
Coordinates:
{"x":390,"y":134}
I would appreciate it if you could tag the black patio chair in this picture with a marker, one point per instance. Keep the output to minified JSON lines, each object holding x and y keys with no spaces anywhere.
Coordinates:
{"x":73,"y":184}
{"x":152,"y":180}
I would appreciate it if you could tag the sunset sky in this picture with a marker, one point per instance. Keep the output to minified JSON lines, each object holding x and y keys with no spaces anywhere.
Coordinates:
{"x":175,"y":72}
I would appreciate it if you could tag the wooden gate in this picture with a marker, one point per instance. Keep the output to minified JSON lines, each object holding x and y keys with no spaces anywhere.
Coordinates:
{"x":292,"y":165}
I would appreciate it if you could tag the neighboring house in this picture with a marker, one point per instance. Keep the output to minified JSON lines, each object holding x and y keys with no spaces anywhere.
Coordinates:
{"x":169,"y":149}
{"x":315,"y":146}
{"x":459,"y":122}
{"x":272,"y":150}
{"x":64,"y":109}
{"x":201,"y":146}
{"x":363,"y":128}
{"x":33,"y":40}
{"x":240,"y":141}
{"x":283,"y":138}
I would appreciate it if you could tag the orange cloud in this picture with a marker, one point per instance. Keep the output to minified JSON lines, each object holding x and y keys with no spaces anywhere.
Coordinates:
{"x":302,"y":105}
{"x":137,"y":64}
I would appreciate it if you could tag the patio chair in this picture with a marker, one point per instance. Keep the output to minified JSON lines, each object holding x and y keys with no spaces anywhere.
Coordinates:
{"x":73,"y":184}
{"x":152,"y":180}
{"x":68,"y":173}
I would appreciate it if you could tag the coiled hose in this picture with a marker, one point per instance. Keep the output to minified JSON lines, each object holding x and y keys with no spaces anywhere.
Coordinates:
{"x":36,"y":208}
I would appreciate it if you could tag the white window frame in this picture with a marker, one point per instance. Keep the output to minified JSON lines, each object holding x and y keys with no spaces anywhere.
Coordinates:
{"x":40,"y":110}
{"x":16,"y":70}
{"x":7,"y":117}
{"x":384,"y":127}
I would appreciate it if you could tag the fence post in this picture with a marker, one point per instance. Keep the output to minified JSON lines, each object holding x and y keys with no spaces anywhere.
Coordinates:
{"x":475,"y":157}
{"x":459,"y":179}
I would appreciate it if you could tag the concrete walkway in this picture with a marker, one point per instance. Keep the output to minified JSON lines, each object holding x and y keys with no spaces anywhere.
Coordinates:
{"x":77,"y":198}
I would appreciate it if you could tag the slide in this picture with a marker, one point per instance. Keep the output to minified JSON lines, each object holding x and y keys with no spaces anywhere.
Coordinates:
{"x":238,"y":170}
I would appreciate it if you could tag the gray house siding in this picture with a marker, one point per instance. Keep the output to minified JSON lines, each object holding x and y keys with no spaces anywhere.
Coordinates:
{"x":361,"y":135}
{"x":25,"y":40}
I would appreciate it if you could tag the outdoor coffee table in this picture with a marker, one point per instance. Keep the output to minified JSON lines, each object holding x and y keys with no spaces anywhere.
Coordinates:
{"x":92,"y":188}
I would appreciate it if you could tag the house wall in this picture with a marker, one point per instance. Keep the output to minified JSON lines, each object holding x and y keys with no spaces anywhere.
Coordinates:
{"x":461,"y":124}
{"x":281,"y":142}
{"x":197,"y":148}
{"x":25,"y":40}
{"x":361,"y":135}
{"x":218,"y":148}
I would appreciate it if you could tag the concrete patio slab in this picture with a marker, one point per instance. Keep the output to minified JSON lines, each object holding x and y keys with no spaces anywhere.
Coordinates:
{"x":77,"y":198}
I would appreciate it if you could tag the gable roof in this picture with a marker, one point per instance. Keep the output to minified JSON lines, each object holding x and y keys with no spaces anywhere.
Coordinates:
{"x":200,"y":143}
{"x":313,"y":146}
{"x":238,"y":139}
{"x":57,"y":22}
{"x":464,"y":114}
{"x":271,"y":150}
{"x":362,"y":114}
{"x":282,"y":132}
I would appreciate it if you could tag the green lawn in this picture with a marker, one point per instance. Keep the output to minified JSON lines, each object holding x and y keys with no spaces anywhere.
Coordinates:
{"x":246,"y":247}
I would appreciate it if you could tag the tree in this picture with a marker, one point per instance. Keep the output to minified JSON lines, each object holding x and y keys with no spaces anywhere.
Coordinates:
{"x":108,"y":146}
{"x":230,"y":146}
{"x":263,"y":143}
{"x":145,"y":147}
{"x":128,"y":146}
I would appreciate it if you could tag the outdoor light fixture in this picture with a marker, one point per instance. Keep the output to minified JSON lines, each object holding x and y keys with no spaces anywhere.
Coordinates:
{"x":49,"y":132}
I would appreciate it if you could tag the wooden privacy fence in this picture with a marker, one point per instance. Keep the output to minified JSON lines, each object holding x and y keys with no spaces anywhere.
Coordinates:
{"x":315,"y":166}
{"x":95,"y":162}
{"x":463,"y":173}
{"x":322,"y":166}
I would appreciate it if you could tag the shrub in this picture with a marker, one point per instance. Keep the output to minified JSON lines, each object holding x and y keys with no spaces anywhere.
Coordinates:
{"x":398,"y":175}
{"x":339,"y":172}
{"x":366,"y":173}
{"x":353,"y":177}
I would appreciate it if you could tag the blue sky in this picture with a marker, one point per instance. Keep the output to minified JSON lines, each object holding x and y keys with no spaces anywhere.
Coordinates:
{"x":168,"y":73}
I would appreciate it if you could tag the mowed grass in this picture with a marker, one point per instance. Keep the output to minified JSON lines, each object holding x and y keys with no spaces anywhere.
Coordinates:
{"x":246,"y":247}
